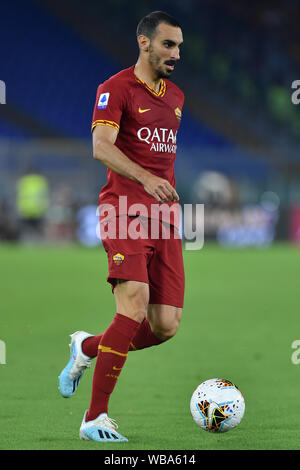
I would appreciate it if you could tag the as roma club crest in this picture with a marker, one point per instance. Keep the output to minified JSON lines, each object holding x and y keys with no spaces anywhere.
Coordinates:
{"x":178,"y":113}
{"x":118,"y":259}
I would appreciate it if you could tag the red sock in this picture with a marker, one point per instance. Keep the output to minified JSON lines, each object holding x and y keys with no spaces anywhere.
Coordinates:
{"x":144,"y":338}
{"x":90,"y":345}
{"x":112,"y":354}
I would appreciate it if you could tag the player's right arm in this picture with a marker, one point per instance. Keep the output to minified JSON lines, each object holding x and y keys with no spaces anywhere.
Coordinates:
{"x":105,"y":150}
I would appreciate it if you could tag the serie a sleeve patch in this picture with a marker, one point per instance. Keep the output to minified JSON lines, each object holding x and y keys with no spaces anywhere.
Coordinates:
{"x":103,"y":100}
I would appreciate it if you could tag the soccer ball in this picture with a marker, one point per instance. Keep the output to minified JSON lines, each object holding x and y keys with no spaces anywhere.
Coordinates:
{"x":217,"y":405}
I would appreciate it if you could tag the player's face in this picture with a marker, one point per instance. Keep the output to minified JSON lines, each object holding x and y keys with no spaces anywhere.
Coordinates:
{"x":164,"y":50}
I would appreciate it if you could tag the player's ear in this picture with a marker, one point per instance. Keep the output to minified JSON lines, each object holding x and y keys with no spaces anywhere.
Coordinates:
{"x":143,"y":42}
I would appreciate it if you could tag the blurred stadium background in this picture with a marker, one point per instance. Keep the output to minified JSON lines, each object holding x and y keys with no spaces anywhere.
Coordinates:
{"x":238,"y":149}
{"x":238,"y":154}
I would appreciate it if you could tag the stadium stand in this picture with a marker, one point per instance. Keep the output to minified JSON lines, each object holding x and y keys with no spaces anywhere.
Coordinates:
{"x":236,"y":73}
{"x":62,"y":61}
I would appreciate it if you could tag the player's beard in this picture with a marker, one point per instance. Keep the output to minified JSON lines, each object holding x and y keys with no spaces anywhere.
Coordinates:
{"x":155,"y":62}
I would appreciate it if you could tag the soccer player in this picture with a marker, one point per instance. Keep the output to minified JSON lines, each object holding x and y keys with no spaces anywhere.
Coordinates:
{"x":135,"y":122}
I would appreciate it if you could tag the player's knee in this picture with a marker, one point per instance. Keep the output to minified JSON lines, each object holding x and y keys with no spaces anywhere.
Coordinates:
{"x":133,"y":301}
{"x":138,"y":314}
{"x":136,"y":309}
{"x":165,"y":325}
{"x":139,"y":302}
{"x":165,"y":332}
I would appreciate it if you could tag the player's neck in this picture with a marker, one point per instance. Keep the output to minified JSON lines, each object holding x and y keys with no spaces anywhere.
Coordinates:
{"x":145,"y":73}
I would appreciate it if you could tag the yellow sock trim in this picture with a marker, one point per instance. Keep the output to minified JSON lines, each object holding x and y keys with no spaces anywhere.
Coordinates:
{"x":109,"y":350}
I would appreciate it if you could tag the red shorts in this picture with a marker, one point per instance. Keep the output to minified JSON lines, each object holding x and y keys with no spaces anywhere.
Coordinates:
{"x":155,"y":259}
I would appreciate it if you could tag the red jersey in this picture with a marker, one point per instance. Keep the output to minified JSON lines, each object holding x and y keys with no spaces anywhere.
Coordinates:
{"x":147,"y":124}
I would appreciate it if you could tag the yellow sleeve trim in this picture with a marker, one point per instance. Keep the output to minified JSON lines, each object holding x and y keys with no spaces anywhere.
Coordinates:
{"x":104,"y":122}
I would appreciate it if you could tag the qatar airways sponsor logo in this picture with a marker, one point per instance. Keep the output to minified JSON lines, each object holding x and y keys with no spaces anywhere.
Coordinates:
{"x":161,"y":139}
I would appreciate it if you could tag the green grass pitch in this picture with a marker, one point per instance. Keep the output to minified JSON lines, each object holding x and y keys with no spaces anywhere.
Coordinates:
{"x":240,"y":318}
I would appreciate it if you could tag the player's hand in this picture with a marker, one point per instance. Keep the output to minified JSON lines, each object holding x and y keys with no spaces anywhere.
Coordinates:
{"x":160,"y":189}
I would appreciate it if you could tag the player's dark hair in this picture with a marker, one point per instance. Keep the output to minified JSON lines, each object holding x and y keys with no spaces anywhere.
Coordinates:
{"x":147,"y":26}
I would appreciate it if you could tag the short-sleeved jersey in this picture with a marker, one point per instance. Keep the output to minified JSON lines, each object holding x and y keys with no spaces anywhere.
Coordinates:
{"x":147,"y":124}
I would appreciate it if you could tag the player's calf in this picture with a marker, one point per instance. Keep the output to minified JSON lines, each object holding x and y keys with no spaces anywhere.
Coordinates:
{"x":164,"y":334}
{"x":164,"y":320}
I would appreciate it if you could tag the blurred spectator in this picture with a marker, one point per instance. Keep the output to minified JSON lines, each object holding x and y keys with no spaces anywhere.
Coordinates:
{"x":214,"y":190}
{"x":8,"y":224}
{"x":32,"y":205}
{"x":61,"y":217}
